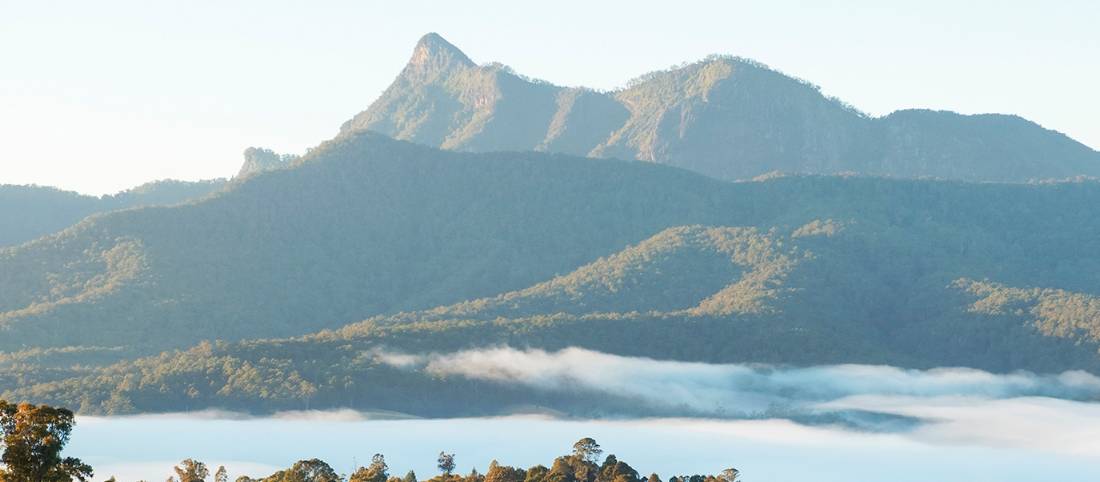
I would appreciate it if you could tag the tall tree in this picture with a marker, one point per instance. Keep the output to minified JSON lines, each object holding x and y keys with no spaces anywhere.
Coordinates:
{"x":446,"y":463}
{"x":587,"y":449}
{"x":33,"y":437}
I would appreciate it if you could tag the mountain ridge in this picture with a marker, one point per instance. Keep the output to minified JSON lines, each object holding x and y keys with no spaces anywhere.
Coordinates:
{"x":29,"y":212}
{"x":724,"y":116}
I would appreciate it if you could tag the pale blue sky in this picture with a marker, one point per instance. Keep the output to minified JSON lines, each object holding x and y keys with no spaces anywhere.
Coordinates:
{"x":100,"y":96}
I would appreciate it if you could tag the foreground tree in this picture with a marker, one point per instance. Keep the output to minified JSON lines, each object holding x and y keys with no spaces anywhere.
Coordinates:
{"x":312,"y":470}
{"x":33,"y":437}
{"x":191,"y":471}
{"x":587,"y":449}
{"x":446,"y":463}
{"x":504,"y":473}
{"x":378,"y":471}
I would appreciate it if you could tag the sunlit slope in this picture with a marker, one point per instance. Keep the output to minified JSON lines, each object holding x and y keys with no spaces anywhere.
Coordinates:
{"x":726,"y":117}
{"x":362,"y":226}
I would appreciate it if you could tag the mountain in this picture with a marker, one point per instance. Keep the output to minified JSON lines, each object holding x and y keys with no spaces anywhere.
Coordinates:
{"x":725,"y":117}
{"x":441,"y":250}
{"x":363,"y":225}
{"x":28,"y":212}
{"x":763,"y":297}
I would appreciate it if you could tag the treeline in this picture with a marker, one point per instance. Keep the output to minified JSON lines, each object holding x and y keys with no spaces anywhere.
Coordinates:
{"x":35,"y":435}
{"x":581,"y":465}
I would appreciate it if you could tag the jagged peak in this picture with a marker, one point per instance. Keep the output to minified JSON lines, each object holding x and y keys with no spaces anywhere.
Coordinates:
{"x":434,"y":53}
{"x":259,"y":159}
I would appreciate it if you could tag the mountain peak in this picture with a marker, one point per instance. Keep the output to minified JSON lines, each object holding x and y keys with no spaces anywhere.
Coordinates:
{"x":433,"y":53}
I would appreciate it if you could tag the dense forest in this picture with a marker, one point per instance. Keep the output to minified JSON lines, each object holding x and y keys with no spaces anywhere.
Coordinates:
{"x":29,"y":212}
{"x":34,"y":437}
{"x":441,"y":251}
{"x":282,"y":288}
{"x":726,"y":117}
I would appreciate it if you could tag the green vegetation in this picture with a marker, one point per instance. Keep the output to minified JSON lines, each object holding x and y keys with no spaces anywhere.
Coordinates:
{"x":258,"y":159}
{"x":29,"y":212}
{"x":34,"y":436}
{"x":280,"y":290}
{"x":442,"y":251}
{"x":726,"y":117}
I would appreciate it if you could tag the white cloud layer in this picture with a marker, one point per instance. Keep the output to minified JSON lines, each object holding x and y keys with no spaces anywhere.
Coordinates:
{"x":947,"y":406}
{"x":717,"y":388}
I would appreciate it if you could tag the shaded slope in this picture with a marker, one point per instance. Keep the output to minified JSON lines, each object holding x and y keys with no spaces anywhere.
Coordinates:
{"x":28,"y":212}
{"x":364,"y":225}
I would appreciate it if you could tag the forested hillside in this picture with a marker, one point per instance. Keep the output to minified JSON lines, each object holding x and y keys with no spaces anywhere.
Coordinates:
{"x":441,"y":251}
{"x":365,"y":225}
{"x":726,"y":117}
{"x":28,"y":212}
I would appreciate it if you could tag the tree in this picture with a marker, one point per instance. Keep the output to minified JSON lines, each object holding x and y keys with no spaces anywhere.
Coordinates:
{"x":587,"y":449}
{"x":378,"y":471}
{"x":409,"y":477}
{"x":446,"y":463}
{"x":730,"y":475}
{"x":378,"y":464}
{"x":221,"y":475}
{"x":191,"y":470}
{"x":33,"y":437}
{"x":504,"y":473}
{"x":536,"y":473}
{"x":615,"y":470}
{"x":312,"y":470}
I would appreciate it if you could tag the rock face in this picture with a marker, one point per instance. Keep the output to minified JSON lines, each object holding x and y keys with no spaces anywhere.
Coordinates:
{"x":258,"y":159}
{"x":726,"y":117}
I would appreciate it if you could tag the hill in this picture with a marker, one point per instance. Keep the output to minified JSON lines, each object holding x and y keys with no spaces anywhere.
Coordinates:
{"x":441,"y":251}
{"x":29,"y":212}
{"x":725,"y":117}
{"x":361,"y":226}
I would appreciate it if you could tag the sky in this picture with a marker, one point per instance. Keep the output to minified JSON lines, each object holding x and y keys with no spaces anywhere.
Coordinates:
{"x":101,"y":96}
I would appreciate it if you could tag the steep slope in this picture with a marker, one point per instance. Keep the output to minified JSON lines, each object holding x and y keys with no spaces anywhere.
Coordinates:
{"x":809,"y":301}
{"x":28,"y":212}
{"x":258,"y":159}
{"x":443,"y":99}
{"x":726,"y":117}
{"x":364,"y":225}
{"x":821,"y":268}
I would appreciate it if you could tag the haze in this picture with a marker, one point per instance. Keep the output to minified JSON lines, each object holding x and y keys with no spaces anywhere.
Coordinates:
{"x":105,"y":96}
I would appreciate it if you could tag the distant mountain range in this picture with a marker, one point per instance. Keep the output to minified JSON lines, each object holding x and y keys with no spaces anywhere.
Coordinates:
{"x":28,"y":212}
{"x":285,"y":287}
{"x":725,"y":117}
{"x":549,"y":250}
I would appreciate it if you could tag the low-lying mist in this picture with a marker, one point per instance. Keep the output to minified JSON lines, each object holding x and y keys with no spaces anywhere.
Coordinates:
{"x":841,"y":422}
{"x":851,"y":393}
